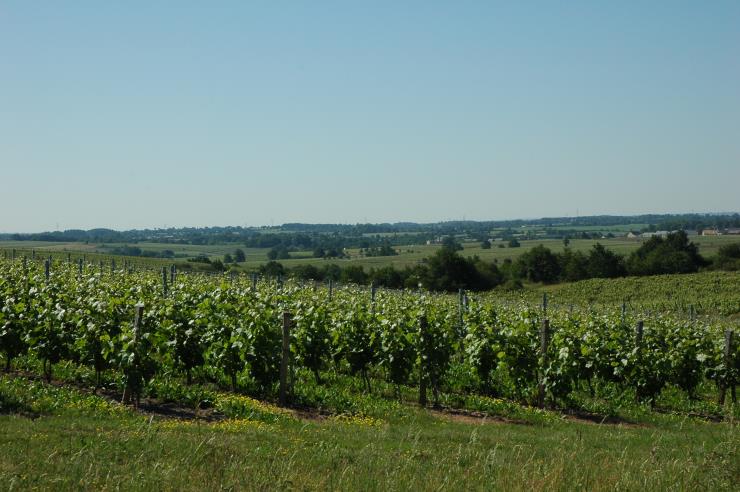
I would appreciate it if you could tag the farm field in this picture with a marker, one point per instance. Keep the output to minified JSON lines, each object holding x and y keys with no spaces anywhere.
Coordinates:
{"x":375,"y":398}
{"x":408,"y":255}
{"x":711,"y":294}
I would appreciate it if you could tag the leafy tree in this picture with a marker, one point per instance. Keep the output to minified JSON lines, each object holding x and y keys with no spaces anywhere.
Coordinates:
{"x":228,"y":258}
{"x":447,"y":271}
{"x":239,"y":255}
{"x":354,"y":274}
{"x":388,"y":276}
{"x":728,"y":257}
{"x":603,"y":263}
{"x":486,"y":244}
{"x":272,"y":269}
{"x":513,"y":243}
{"x":319,"y":253}
{"x":331,"y":272}
{"x":449,"y":242}
{"x":573,"y":265}
{"x":278,"y":253}
{"x":539,"y":265}
{"x":306,"y":272}
{"x":674,"y":254}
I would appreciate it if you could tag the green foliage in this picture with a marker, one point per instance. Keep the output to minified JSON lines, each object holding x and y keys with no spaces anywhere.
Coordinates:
{"x":278,"y":253}
{"x":225,"y":331}
{"x":312,"y":335}
{"x":728,"y":257}
{"x":239,"y":255}
{"x":674,"y":254}
{"x":538,"y":265}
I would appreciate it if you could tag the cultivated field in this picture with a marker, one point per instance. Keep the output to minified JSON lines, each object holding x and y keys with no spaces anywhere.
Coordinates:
{"x":408,"y":255}
{"x":383,"y":390}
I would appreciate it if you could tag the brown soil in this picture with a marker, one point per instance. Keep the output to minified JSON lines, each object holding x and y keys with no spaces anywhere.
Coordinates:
{"x":595,"y":419}
{"x":472,"y":417}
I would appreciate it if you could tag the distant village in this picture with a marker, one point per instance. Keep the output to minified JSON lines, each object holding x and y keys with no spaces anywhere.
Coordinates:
{"x":703,"y":232}
{"x":531,"y":234}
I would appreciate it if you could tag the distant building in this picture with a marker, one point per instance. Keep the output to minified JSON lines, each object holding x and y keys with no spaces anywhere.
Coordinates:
{"x":710,"y":232}
{"x":733,"y":231}
{"x":633,"y":235}
{"x":692,"y":233}
{"x":655,"y":234}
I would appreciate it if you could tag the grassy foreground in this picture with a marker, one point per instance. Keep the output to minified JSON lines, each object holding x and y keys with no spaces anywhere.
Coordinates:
{"x":61,"y":439}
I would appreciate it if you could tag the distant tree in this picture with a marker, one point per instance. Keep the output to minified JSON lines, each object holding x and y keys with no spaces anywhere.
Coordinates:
{"x":201,"y":258}
{"x":319,"y":253}
{"x":539,"y":265}
{"x":573,"y":265}
{"x":306,"y":272}
{"x":239,"y":255}
{"x":354,"y":274}
{"x":228,"y":258}
{"x":728,"y":257}
{"x":486,"y":244}
{"x":674,"y":254}
{"x":331,"y":272}
{"x":384,"y":249}
{"x":513,"y":243}
{"x":603,"y":263}
{"x":272,"y":269}
{"x":566,"y":242}
{"x":334,"y":253}
{"x":447,"y":271}
{"x":278,"y":253}
{"x":388,"y":276}
{"x":449,"y":242}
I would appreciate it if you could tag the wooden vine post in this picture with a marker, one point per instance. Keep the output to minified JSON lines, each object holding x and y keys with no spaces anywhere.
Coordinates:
{"x":544,"y":342}
{"x":128,"y":391}
{"x":80,"y":266}
{"x":423,"y":327}
{"x":47,"y":267}
{"x":164,"y":281}
{"x":285,"y":359}
{"x":544,"y":304}
{"x":638,"y":335}
{"x":728,"y":382}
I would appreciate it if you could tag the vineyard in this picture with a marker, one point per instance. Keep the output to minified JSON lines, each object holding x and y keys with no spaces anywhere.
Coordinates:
{"x":261,"y":337}
{"x":712,"y":295}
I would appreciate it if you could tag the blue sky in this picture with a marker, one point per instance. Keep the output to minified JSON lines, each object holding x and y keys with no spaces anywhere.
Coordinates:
{"x":146,"y":114}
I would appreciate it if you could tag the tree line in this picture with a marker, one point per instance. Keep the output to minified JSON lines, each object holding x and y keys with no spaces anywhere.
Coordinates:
{"x":447,"y":270}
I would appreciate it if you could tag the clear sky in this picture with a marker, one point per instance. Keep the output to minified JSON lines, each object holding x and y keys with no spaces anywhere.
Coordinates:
{"x":146,"y":114}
